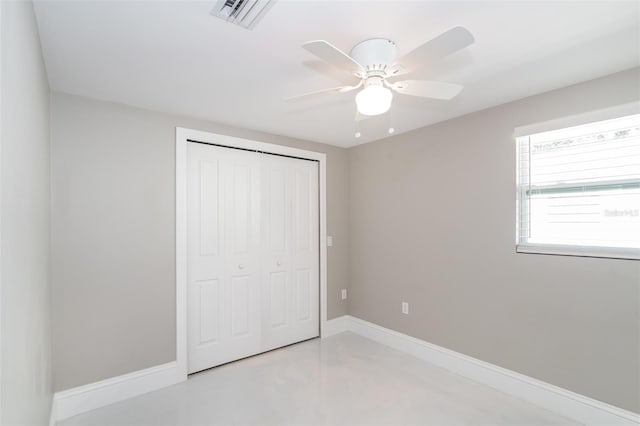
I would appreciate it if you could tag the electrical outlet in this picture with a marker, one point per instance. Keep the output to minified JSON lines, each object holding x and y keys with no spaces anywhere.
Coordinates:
{"x":344,"y":294}
{"x":405,"y":308}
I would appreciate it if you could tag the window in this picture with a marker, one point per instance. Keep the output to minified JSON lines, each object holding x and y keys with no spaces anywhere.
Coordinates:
{"x":579,"y":190}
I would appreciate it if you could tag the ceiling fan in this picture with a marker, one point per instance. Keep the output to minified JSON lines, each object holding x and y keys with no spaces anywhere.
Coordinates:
{"x":374,"y":62}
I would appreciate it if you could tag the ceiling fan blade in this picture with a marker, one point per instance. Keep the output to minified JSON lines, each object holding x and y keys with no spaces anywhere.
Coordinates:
{"x":427,"y":89}
{"x":341,"y":89}
{"x":445,"y":44}
{"x":331,"y":54}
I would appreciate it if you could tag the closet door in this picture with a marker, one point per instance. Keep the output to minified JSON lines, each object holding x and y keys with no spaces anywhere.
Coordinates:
{"x":224,"y":255}
{"x":290,"y":236}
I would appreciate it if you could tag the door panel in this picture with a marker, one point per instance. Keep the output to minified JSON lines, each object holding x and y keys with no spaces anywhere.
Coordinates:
{"x":276,"y":208}
{"x":253,"y":253}
{"x":305,"y":257}
{"x":278,"y":300}
{"x":290,"y":205}
{"x":223,"y":247}
{"x":302,"y":205}
{"x":241,"y":196}
{"x":303,"y":294}
{"x":240,"y":305}
{"x":209,"y":205}
{"x":209,"y":324}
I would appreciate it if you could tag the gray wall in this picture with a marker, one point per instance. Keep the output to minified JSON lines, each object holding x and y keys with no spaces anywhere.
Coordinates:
{"x":432,"y":222}
{"x":431,"y":218}
{"x":24,"y":218}
{"x":113,"y":213}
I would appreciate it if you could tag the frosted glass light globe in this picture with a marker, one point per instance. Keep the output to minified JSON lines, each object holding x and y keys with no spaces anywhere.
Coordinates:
{"x":374,"y":100}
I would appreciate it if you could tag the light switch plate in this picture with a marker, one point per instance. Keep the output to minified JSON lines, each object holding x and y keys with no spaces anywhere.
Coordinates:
{"x":329,"y":241}
{"x":344,"y":293}
{"x":405,"y":308}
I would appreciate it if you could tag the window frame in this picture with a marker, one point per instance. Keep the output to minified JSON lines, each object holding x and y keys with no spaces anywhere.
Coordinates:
{"x":522,"y":200}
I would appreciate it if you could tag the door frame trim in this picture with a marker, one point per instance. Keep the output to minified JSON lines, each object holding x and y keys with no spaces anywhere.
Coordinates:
{"x":182,"y":136}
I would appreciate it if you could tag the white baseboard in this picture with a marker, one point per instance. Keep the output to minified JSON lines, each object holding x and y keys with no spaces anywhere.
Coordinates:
{"x":335,"y":326}
{"x":564,"y":402}
{"x":569,"y":404}
{"x":78,"y":400}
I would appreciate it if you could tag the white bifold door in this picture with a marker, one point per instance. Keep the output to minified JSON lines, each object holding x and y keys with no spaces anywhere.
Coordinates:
{"x":252,"y":253}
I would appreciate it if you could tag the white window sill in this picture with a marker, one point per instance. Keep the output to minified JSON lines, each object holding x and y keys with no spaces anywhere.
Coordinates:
{"x":582,"y":251}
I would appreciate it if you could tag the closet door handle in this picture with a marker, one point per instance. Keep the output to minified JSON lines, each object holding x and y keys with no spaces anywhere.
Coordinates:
{"x":278,"y":263}
{"x":241,"y":266}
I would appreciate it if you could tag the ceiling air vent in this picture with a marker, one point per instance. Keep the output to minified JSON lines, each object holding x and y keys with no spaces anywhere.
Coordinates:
{"x":245,"y":13}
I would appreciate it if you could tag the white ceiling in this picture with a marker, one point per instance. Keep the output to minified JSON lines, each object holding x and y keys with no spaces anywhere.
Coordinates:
{"x":173,"y":56}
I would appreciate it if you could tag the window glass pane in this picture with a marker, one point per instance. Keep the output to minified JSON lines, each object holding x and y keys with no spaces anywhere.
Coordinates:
{"x":580,"y":186}
{"x":605,"y":218}
{"x":609,"y":150}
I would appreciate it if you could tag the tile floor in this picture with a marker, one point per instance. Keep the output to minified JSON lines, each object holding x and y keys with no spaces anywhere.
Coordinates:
{"x":342,"y":380}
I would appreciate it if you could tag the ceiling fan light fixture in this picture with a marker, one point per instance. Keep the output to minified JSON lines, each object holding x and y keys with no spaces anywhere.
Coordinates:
{"x":374,"y":100}
{"x":374,"y":61}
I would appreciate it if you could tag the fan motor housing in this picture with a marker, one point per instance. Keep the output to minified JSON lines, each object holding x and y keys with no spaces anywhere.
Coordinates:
{"x":375,"y":54}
